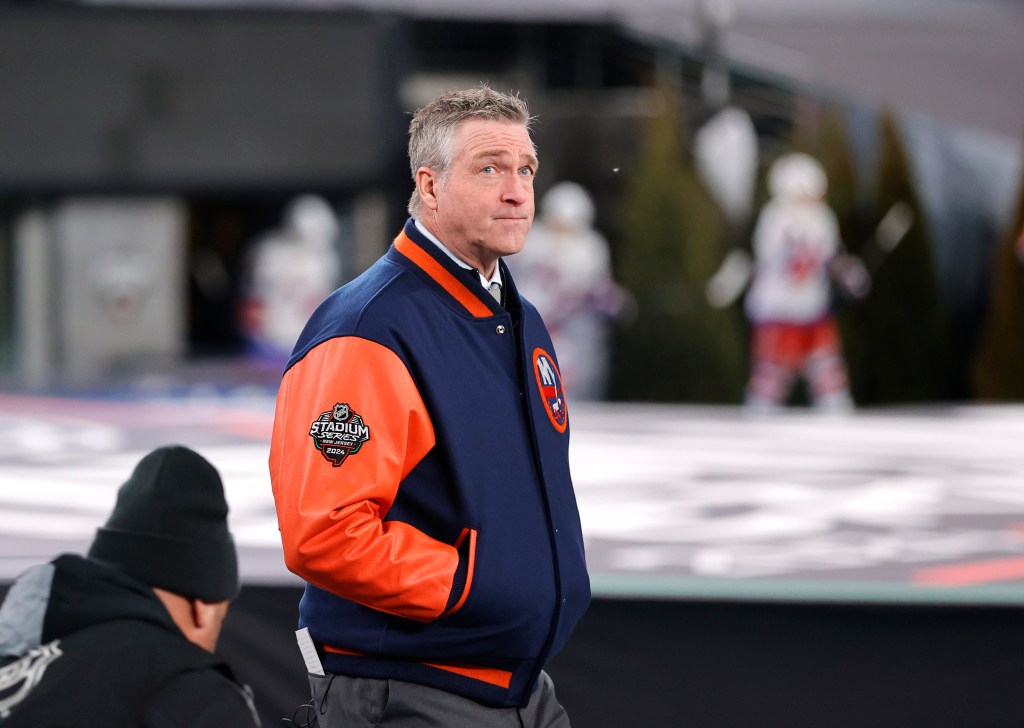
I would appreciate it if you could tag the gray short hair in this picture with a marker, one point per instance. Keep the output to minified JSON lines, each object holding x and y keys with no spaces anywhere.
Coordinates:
{"x":432,"y":129}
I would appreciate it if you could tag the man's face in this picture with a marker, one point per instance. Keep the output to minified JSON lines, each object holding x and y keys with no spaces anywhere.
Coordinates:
{"x":484,"y":208}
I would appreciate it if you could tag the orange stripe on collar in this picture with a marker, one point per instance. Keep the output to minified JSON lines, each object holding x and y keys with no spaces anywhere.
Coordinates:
{"x":446,"y":280}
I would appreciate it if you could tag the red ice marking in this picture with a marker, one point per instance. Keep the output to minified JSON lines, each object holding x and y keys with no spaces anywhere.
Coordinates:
{"x":979,"y":572}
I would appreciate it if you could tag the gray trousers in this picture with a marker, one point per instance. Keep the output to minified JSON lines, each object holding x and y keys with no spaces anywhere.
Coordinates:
{"x":351,"y":702}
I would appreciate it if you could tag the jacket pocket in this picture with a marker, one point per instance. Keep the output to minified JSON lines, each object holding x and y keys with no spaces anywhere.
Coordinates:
{"x":463,"y":581}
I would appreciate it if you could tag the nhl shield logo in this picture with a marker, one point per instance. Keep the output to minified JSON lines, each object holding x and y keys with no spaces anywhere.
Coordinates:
{"x":338,"y":433}
{"x":549,"y":382}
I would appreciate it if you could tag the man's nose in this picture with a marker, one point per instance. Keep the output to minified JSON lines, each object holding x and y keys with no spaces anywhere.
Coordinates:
{"x":517,"y":189}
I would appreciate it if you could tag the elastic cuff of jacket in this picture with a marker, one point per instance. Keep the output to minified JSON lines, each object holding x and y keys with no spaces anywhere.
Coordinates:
{"x":461,"y":575}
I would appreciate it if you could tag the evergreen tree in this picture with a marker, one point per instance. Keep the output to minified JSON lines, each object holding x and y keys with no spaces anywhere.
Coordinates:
{"x":898,"y":342}
{"x":998,"y":371}
{"x":676,"y":348}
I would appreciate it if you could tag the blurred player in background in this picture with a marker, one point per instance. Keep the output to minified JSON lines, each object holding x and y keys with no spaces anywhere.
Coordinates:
{"x":290,"y":271}
{"x":798,"y":256}
{"x":565,"y":269}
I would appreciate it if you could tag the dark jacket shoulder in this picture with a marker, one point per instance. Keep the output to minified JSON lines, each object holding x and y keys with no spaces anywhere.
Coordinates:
{"x":102,"y":651}
{"x":208,"y":697}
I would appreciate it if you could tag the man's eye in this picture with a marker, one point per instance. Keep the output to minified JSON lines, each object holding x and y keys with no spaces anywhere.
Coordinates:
{"x":527,"y":171}
{"x":489,"y":169}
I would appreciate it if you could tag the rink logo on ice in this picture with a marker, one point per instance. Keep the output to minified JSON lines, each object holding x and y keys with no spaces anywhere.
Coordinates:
{"x":19,"y":678}
{"x":338,"y":433}
{"x":549,"y":382}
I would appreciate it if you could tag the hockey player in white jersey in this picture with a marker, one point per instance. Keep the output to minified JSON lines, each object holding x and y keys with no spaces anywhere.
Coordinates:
{"x":797,"y":257}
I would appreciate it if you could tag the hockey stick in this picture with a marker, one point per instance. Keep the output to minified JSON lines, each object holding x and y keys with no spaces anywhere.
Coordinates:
{"x":854,"y":273}
{"x":728,"y":282}
{"x":891,"y":230}
{"x":735,"y":272}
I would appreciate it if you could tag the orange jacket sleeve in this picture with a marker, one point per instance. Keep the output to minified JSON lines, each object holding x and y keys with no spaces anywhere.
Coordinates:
{"x":330,"y":515}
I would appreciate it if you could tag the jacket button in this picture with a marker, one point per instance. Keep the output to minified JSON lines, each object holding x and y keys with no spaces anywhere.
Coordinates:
{"x":500,"y":328}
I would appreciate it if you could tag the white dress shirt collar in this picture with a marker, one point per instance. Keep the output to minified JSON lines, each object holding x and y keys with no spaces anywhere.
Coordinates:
{"x":485,"y":282}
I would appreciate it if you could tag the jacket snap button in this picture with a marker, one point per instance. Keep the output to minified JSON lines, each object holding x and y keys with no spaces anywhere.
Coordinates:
{"x":500,"y":328}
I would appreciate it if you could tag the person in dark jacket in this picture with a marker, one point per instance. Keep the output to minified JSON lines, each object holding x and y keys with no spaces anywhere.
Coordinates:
{"x":125,"y":635}
{"x":419,"y":458}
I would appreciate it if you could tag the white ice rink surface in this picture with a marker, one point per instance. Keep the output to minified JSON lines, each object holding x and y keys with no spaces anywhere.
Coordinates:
{"x":923,"y":504}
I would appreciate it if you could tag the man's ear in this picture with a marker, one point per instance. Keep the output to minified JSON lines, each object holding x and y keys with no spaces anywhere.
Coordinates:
{"x":199,"y":612}
{"x":427,"y":184}
{"x":207,"y":620}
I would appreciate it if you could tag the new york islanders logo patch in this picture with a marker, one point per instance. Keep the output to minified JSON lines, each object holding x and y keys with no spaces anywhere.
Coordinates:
{"x":338,"y":433}
{"x":549,"y":382}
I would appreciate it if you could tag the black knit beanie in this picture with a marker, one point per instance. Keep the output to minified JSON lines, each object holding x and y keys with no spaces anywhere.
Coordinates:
{"x":169,"y":527}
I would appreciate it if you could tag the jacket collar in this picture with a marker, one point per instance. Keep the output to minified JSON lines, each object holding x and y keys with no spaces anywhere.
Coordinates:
{"x":458,"y":283}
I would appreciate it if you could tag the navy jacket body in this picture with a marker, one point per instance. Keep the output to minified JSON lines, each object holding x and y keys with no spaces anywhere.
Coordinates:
{"x":421,"y":475}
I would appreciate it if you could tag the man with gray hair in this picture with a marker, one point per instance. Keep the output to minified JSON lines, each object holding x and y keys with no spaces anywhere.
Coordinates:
{"x":419,"y":458}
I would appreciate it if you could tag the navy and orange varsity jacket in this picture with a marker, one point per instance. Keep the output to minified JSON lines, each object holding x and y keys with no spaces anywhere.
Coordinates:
{"x":420,"y":470}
